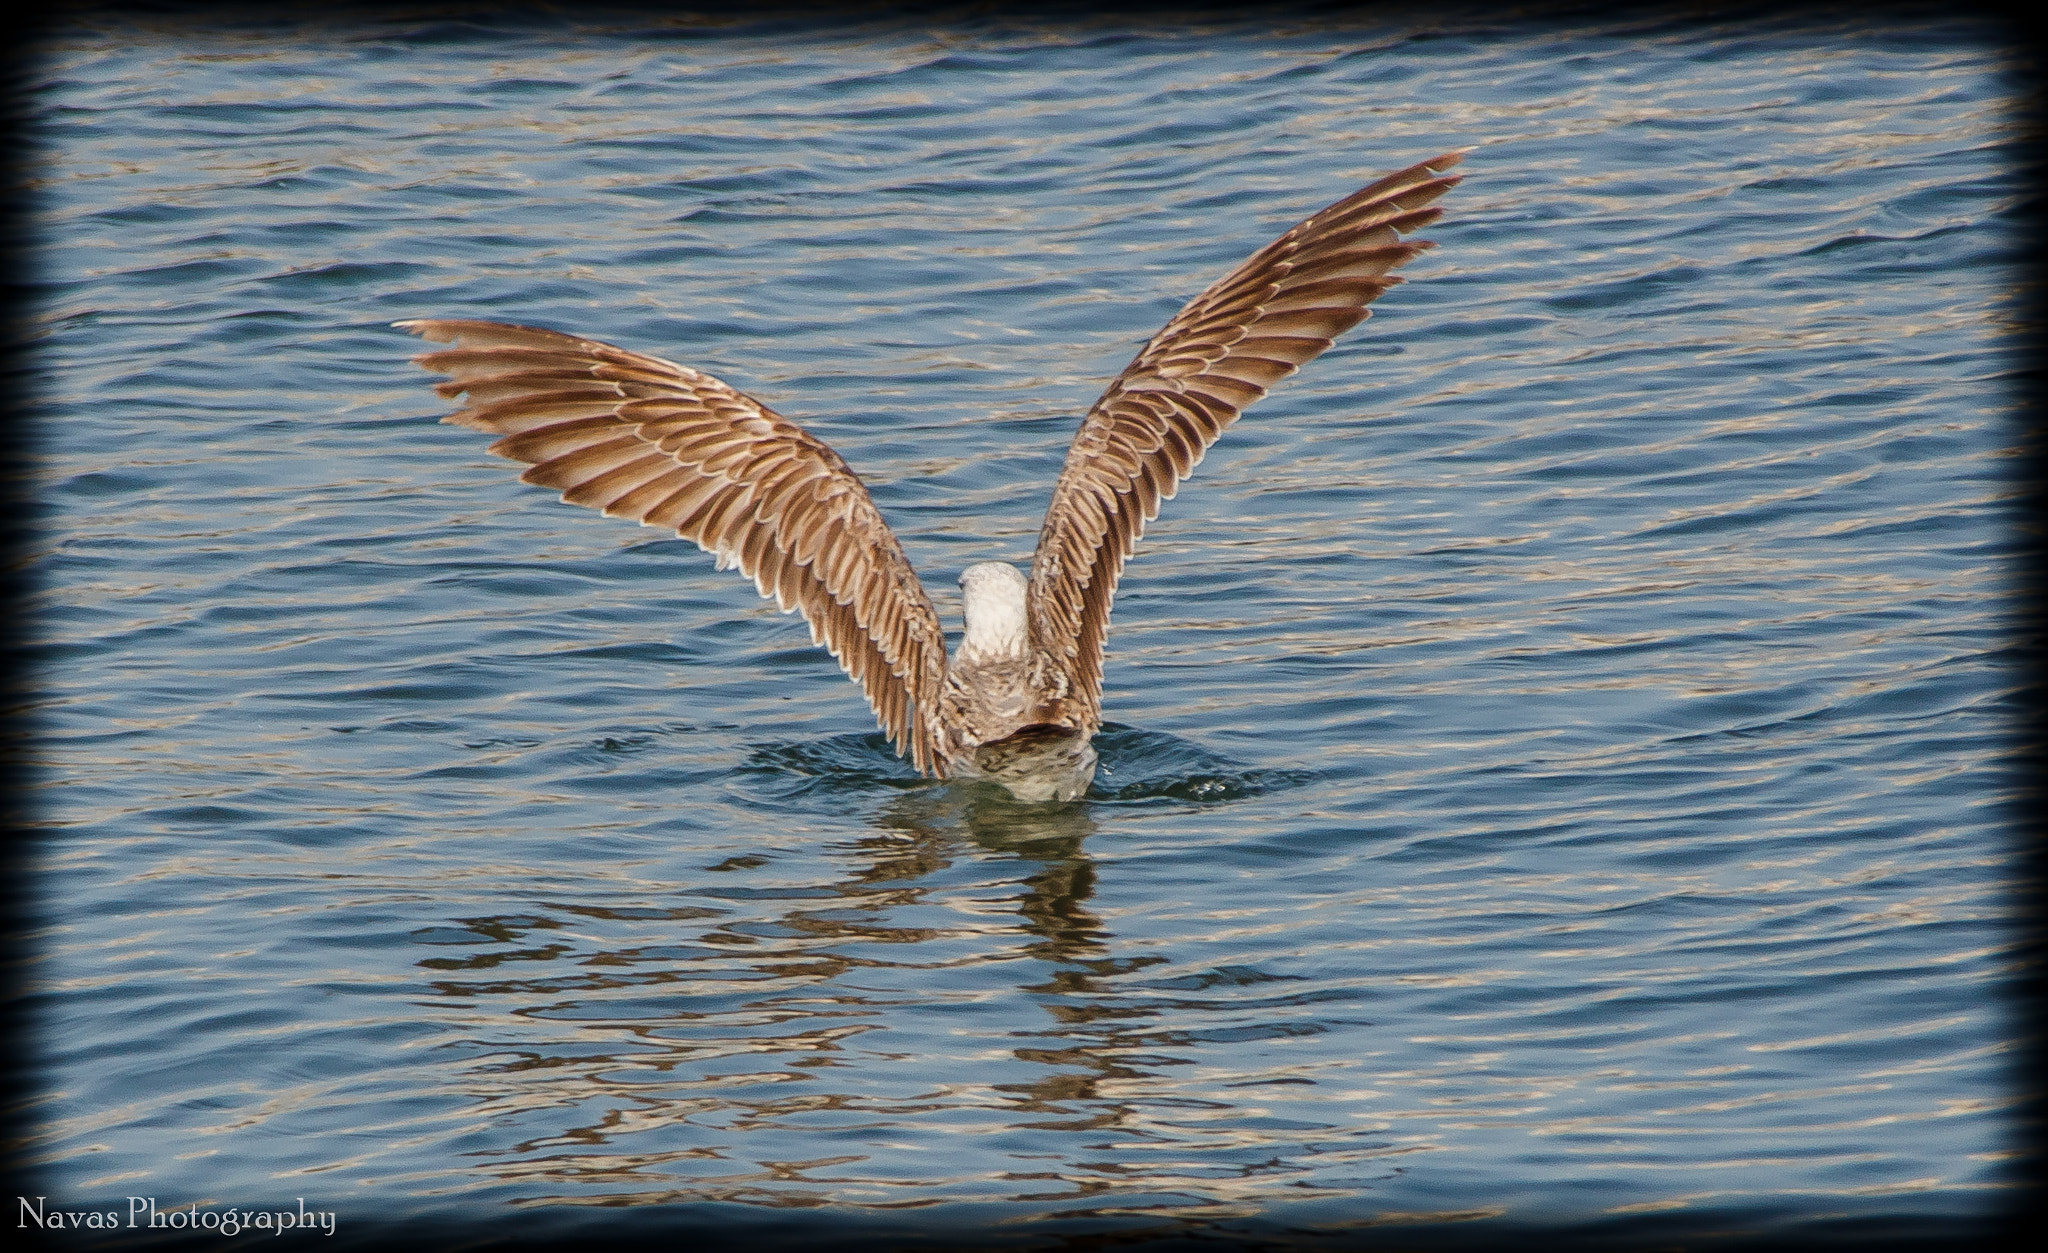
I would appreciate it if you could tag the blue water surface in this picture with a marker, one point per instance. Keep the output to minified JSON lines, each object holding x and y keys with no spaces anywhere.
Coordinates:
{"x":1556,"y":765}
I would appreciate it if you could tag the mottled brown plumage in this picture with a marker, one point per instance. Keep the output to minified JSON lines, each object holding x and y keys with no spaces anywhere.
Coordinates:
{"x":665,"y":445}
{"x":1280,"y":309}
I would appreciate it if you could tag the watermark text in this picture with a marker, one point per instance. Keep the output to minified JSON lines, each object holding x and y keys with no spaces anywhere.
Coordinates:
{"x":143,"y":1213}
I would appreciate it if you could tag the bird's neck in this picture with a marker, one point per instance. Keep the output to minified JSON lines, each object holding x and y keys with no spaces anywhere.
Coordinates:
{"x":996,"y":624}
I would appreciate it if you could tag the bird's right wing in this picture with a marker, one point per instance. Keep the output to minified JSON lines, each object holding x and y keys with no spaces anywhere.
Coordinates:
{"x":665,"y":445}
{"x":1254,"y":326}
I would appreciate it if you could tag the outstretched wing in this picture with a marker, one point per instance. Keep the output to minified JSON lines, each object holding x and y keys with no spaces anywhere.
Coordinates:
{"x":1256,"y":325}
{"x":665,"y":445}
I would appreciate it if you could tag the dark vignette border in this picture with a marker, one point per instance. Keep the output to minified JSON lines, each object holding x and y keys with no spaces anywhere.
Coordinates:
{"x":26,"y":912}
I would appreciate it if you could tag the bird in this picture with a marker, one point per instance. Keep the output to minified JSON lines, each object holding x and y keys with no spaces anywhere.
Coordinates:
{"x":1019,"y":701}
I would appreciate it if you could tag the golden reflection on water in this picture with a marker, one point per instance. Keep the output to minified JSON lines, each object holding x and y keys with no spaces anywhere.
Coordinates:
{"x":645,"y":1091}
{"x":661,"y":1131}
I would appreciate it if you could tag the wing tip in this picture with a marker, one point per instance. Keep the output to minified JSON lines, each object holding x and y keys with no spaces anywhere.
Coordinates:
{"x":488,"y":334}
{"x":422,"y":327}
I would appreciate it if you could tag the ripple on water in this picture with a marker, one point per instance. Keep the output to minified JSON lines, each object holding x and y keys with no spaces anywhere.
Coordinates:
{"x":1559,"y":760}
{"x":1134,"y":766}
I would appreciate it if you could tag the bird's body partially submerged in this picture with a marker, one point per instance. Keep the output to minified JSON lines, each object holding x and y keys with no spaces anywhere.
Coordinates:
{"x":1002,"y":714}
{"x":1017,"y":704}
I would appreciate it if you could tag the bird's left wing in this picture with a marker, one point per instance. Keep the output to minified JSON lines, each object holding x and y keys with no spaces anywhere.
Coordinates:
{"x":665,"y":445}
{"x":1252,"y":327}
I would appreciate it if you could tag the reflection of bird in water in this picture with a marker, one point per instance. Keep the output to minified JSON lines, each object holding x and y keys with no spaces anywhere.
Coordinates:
{"x":1049,"y":836}
{"x":666,"y":445}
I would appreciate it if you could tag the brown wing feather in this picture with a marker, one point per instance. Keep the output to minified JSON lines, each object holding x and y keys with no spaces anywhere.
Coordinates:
{"x":1254,"y":326}
{"x":665,"y":445}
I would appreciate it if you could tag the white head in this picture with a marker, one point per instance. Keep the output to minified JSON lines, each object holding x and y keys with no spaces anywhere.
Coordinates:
{"x":992,"y":602}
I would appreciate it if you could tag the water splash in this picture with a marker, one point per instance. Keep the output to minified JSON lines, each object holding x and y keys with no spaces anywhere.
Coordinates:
{"x":856,"y":762}
{"x":1138,"y":767}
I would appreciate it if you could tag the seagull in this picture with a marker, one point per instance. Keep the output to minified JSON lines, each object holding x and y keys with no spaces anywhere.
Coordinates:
{"x":1017,"y":704}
